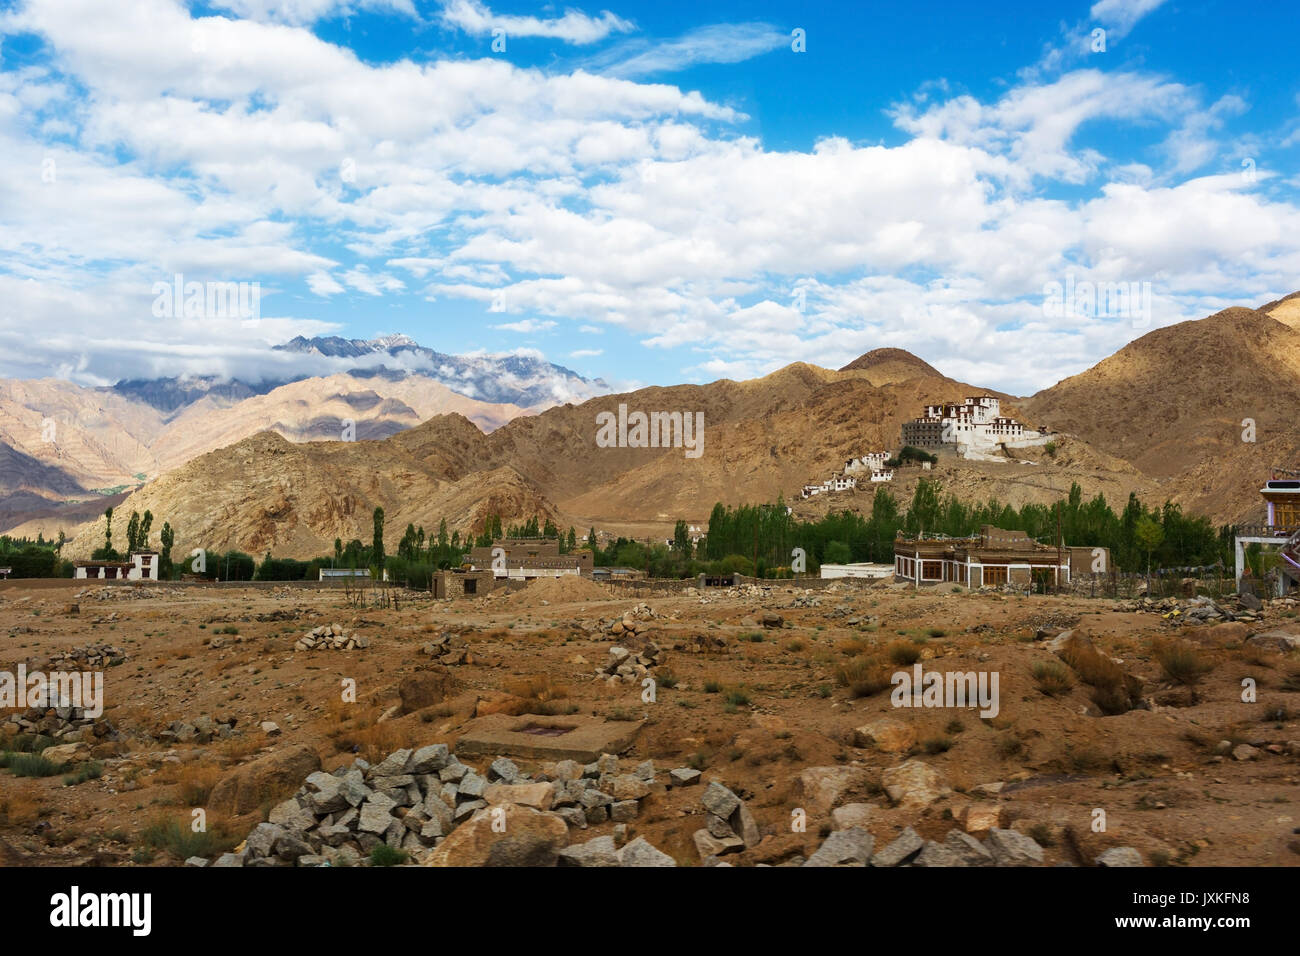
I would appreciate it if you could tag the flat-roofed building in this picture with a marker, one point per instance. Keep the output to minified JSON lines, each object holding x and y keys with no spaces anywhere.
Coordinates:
{"x":523,"y":559}
{"x":993,"y":558}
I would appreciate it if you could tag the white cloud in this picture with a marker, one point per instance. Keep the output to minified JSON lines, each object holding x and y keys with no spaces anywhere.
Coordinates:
{"x":474,"y":17}
{"x":323,"y":284}
{"x":718,"y":43}
{"x":586,"y":353}
{"x":527,"y":326}
{"x":309,"y":11}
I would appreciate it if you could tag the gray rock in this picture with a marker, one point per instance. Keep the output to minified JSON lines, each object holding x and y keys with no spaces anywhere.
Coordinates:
{"x":597,"y":815}
{"x":971,"y":850}
{"x":453,"y":772}
{"x":353,"y":788}
{"x":573,"y":816}
{"x":683,"y":776}
{"x":196,"y":861}
{"x":503,"y":770}
{"x":262,"y":840}
{"x":567,"y":770}
{"x":597,"y":852}
{"x":467,"y":809}
{"x":746,"y":827}
{"x":376,"y":814}
{"x":907,"y":844}
{"x":623,"y":811}
{"x":1010,"y":848}
{"x":471,"y":787}
{"x":607,"y":763}
{"x":851,"y":847}
{"x":392,"y":765}
{"x":645,"y":770}
{"x":1120,"y":856}
{"x":640,"y":853}
{"x":939,"y":854}
{"x":718,"y":827}
{"x":290,"y":846}
{"x":229,"y":860}
{"x":709,"y":845}
{"x":719,"y":800}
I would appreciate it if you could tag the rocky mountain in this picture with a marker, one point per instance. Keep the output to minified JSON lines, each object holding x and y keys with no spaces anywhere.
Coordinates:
{"x":1163,"y":418}
{"x":1207,"y":407}
{"x":762,"y":438}
{"x":523,"y":380}
{"x":68,"y":444}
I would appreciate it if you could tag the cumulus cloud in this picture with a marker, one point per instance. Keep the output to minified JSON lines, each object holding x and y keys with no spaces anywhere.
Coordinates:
{"x":574,"y":27}
{"x":254,"y":150}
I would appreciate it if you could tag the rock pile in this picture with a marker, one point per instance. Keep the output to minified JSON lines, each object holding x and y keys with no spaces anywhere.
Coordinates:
{"x":625,"y":666}
{"x":729,"y":826}
{"x":414,"y":799}
{"x":80,"y":658}
{"x":201,"y":730}
{"x":65,"y":724}
{"x":632,"y":622}
{"x":447,"y":648}
{"x":331,"y":637}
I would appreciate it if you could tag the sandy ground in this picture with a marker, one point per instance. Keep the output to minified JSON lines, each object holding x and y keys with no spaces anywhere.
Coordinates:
{"x":1154,"y":772}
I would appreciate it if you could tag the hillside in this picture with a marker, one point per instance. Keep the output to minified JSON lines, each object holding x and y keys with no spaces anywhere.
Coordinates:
{"x":763,"y":438}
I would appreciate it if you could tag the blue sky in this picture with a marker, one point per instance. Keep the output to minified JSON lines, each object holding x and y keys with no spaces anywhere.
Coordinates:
{"x":647,"y":192}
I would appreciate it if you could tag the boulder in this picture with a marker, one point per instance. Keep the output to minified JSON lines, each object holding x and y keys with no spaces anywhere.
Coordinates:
{"x":914,"y":785}
{"x":1280,"y":639}
{"x":1120,"y":856}
{"x":536,"y":795}
{"x":596,"y":852}
{"x":640,"y":853}
{"x":1010,"y":848}
{"x":852,"y":815}
{"x":906,"y":845}
{"x":820,"y":789}
{"x":982,"y":816}
{"x":886,"y":734}
{"x":528,"y":838}
{"x":851,"y":847}
{"x":268,"y":778}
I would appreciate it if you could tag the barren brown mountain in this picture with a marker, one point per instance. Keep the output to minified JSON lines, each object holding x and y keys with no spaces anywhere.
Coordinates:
{"x":1161,"y":418}
{"x":1207,"y":407}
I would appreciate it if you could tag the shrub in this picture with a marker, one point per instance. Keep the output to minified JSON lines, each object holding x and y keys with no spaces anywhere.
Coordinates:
{"x":863,"y":675}
{"x":1053,"y":678}
{"x":903,"y":654}
{"x":385,"y":855}
{"x":936,"y":745}
{"x":1181,"y":663}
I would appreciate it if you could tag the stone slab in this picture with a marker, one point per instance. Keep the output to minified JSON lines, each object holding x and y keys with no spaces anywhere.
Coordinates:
{"x":581,"y":738}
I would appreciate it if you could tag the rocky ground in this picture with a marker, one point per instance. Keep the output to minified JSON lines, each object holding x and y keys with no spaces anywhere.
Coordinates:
{"x":759,"y":723}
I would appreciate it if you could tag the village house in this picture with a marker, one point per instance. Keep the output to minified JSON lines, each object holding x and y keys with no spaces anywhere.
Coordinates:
{"x":993,"y":558}
{"x":523,"y":559}
{"x":142,"y":566}
{"x":871,"y":464}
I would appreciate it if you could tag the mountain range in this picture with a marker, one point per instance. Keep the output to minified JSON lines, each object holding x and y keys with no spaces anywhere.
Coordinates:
{"x":1197,"y":413}
{"x":66,"y":448}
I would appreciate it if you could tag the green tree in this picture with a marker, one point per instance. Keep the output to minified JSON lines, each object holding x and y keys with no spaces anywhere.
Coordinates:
{"x":145,"y":524}
{"x":133,"y":533}
{"x":1149,"y":537}
{"x":377,"y":547}
{"x":108,"y":534}
{"x":168,"y":538}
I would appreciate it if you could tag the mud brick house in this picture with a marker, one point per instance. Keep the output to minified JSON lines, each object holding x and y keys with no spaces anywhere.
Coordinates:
{"x":459,"y":583}
{"x":523,"y":559}
{"x":993,"y":558}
